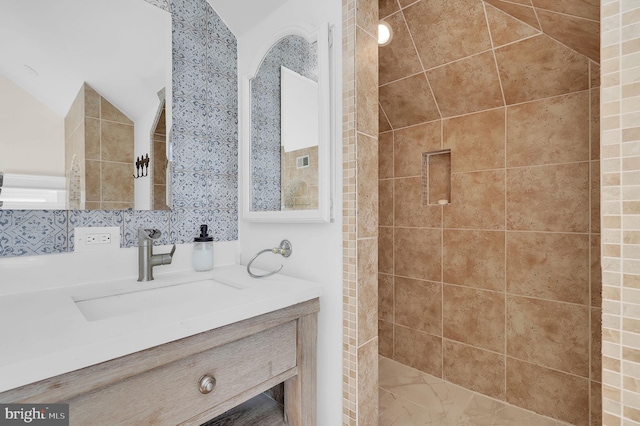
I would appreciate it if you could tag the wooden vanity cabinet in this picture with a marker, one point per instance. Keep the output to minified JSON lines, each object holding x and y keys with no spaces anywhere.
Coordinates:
{"x":167,"y":384}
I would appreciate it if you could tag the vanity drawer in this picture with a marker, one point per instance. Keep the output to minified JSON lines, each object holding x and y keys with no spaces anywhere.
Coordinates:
{"x":170,"y":394}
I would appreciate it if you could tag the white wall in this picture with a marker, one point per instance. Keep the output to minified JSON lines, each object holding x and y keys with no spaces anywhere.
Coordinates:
{"x":144,"y":124}
{"x":317,"y":248}
{"x":31,"y":134}
{"x":142,"y":146}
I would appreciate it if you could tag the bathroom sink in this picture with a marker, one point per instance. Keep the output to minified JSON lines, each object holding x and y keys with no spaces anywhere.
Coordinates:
{"x":208,"y":293}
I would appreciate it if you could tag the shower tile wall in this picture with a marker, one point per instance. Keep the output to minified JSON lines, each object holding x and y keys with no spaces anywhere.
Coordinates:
{"x":299,"y":184}
{"x":499,"y":291}
{"x":159,"y":175}
{"x":620,"y":202}
{"x":99,"y":142}
{"x":360,"y":212}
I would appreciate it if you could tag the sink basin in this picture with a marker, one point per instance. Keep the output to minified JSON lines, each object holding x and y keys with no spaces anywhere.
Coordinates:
{"x":203,"y":293}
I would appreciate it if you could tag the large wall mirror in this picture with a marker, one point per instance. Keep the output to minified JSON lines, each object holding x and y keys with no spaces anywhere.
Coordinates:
{"x":287,"y":137}
{"x":83,"y":86}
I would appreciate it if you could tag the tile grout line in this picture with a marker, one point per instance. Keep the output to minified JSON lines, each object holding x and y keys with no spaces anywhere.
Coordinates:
{"x":386,"y":117}
{"x":582,"y":18}
{"x":589,"y":318}
{"x":582,"y":305}
{"x":495,"y":59}
{"x":521,"y":231}
{"x":538,"y":30}
{"x":493,"y":52}
{"x":535,"y":13}
{"x":424,"y":71}
{"x":442,"y":212}
{"x":101,"y":128}
{"x":393,"y":246}
{"x":620,"y":202}
{"x":485,"y":110}
{"x":506,"y":215}
{"x":529,"y":166}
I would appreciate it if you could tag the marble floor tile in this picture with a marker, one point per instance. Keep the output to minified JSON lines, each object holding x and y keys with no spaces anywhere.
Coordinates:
{"x":439,"y":397}
{"x":410,"y":397}
{"x":397,"y":411}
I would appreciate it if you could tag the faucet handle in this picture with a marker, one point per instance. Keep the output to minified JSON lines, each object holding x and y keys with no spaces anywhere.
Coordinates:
{"x":164,"y":258}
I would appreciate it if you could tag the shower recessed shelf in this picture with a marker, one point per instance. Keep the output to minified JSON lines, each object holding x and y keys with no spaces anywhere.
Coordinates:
{"x":436,"y":177}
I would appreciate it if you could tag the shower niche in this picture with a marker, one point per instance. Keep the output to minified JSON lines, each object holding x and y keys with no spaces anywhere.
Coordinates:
{"x":436,"y":177}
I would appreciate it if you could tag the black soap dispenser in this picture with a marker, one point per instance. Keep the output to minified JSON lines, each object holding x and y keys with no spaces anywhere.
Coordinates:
{"x":203,"y":250}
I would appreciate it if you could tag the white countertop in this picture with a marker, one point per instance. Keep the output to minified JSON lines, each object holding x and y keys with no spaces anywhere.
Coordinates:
{"x":43,"y":333}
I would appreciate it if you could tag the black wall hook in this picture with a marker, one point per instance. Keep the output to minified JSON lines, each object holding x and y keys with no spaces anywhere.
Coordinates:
{"x":142,"y":166}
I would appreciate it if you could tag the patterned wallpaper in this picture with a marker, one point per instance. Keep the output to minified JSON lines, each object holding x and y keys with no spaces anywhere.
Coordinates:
{"x":205,"y":122}
{"x":297,"y":54}
{"x":205,"y":150}
{"x":162,"y":4}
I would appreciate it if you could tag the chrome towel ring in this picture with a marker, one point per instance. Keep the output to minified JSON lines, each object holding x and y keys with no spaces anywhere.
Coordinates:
{"x":285,"y":250}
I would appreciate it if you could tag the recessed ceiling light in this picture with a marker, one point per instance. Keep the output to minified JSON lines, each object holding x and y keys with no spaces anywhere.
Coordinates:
{"x":385,"y":33}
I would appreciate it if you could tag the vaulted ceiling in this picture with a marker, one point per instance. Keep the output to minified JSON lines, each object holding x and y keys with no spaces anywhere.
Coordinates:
{"x":455,"y":57}
{"x":574,"y":23}
{"x":122,"y":48}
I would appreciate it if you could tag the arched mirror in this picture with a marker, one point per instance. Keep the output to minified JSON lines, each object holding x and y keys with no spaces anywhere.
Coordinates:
{"x":287,"y":137}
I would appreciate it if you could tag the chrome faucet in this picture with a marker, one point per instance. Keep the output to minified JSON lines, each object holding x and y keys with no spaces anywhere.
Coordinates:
{"x":146,"y":259}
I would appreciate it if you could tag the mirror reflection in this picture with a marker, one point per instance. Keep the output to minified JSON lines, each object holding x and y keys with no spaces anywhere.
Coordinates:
{"x":299,"y":152}
{"x":83,"y":84}
{"x":284,"y":128}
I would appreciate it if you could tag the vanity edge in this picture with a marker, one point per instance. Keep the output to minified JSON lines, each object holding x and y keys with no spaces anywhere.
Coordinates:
{"x":300,"y":389}
{"x":78,"y":343}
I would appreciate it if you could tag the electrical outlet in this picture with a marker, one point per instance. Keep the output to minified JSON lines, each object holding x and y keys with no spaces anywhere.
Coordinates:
{"x":96,"y":238}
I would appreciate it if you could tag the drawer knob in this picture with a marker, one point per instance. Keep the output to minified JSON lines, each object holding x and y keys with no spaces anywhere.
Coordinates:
{"x":206,"y":384}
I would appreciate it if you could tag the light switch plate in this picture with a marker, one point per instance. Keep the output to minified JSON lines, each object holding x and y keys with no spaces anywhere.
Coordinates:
{"x":96,"y":238}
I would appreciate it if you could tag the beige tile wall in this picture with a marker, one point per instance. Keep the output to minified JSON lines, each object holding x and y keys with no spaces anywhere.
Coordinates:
{"x":114,"y":145}
{"x":620,"y":103}
{"x":159,"y":163}
{"x":102,"y":138}
{"x":74,"y":163}
{"x":500,"y":290}
{"x":300,"y":185}
{"x":360,"y":211}
{"x":349,"y":161}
